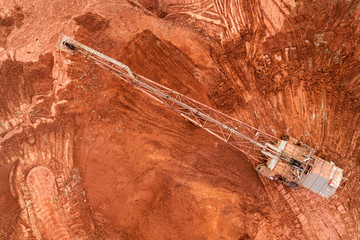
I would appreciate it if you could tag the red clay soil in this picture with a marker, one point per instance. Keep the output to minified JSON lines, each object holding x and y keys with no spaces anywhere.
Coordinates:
{"x":42,"y":187}
{"x":84,"y":155}
{"x":10,"y":20}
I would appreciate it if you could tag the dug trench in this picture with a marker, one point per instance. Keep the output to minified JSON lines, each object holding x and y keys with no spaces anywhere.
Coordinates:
{"x":125,"y":167}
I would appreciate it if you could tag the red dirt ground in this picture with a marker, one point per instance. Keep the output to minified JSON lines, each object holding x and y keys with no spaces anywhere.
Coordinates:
{"x":122,"y":166}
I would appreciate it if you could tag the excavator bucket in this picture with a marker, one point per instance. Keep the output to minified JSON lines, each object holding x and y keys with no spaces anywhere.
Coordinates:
{"x":61,"y":44}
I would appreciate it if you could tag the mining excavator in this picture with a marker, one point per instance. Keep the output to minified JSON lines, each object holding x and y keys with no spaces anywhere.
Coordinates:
{"x":286,"y":160}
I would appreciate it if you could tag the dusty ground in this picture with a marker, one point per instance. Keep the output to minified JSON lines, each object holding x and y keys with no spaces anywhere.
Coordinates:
{"x":84,"y":156}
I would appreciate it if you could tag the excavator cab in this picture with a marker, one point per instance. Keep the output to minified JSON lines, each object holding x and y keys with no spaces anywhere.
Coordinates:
{"x":293,"y":163}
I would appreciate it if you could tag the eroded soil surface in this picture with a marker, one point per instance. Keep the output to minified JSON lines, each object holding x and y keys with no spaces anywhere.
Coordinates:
{"x":85,"y":156}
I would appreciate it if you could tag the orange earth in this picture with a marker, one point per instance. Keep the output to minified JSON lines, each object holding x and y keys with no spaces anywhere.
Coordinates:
{"x":85,"y":156}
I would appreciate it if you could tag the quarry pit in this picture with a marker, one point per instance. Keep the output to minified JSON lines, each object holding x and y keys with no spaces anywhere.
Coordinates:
{"x":85,"y":156}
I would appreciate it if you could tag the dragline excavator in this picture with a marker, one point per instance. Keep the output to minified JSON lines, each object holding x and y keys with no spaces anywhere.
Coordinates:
{"x":286,"y":160}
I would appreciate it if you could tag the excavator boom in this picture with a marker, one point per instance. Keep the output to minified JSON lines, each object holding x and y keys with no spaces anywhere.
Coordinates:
{"x":288,"y":162}
{"x":245,"y":138}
